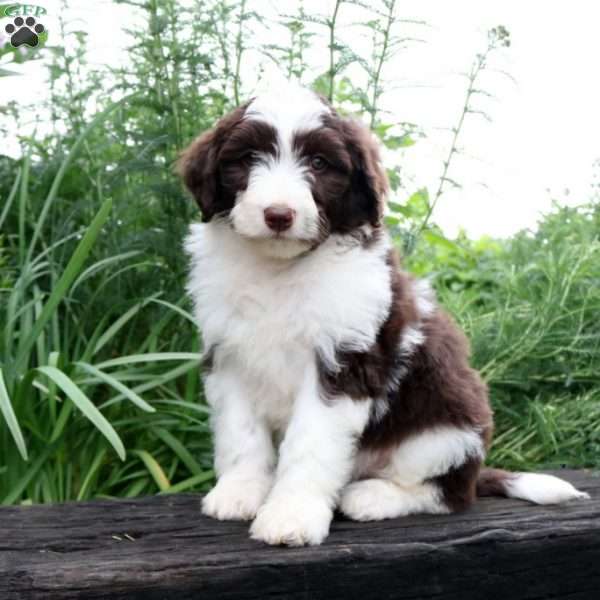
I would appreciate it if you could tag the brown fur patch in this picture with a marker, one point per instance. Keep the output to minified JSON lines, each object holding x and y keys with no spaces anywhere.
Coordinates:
{"x":492,"y":482}
{"x":458,"y":485}
{"x":439,"y":389}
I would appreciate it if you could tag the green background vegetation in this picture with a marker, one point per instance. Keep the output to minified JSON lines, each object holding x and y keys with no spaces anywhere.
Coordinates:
{"x":100,"y":392}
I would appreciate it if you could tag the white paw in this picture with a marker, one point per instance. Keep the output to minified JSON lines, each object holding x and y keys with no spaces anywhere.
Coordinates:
{"x":236,"y":499}
{"x":363,"y":501}
{"x":295,"y":520}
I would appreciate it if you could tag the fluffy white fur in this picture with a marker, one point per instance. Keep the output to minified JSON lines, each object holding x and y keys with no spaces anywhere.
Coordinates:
{"x":264,"y":379}
{"x":424,"y":297}
{"x":376,"y":499}
{"x":277,"y":314}
{"x":288,"y":108}
{"x":412,"y":337}
{"x":244,"y":468}
{"x":315,"y":461}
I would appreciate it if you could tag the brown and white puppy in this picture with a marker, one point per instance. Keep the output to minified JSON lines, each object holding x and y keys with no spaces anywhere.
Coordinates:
{"x":334,"y":377}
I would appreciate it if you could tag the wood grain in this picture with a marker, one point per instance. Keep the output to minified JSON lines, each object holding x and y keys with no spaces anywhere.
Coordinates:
{"x":163,"y":548}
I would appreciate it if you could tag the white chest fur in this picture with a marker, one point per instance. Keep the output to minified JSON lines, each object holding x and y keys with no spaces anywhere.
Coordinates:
{"x":268,"y":318}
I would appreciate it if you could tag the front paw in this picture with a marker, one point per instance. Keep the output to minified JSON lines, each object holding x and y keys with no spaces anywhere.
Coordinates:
{"x":293,"y":520}
{"x":235,"y":499}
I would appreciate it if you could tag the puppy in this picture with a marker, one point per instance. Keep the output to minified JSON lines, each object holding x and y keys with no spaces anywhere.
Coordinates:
{"x":334,"y":378}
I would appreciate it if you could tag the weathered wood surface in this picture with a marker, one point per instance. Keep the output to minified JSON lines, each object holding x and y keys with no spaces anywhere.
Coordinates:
{"x":161,"y":547}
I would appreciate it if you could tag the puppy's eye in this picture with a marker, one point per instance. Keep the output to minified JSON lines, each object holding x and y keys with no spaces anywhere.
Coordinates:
{"x":318,"y":163}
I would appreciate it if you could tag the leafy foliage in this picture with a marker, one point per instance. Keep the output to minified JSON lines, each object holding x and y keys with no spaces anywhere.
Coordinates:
{"x":530,"y":306}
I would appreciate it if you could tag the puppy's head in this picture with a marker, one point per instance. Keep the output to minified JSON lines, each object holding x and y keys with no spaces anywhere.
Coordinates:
{"x":287,"y":171}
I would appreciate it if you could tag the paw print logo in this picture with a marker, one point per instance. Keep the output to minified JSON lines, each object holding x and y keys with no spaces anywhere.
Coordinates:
{"x":24,"y":32}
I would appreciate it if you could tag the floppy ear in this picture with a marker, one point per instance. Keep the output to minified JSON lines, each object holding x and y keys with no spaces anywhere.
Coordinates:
{"x":369,"y":183}
{"x":198,"y":165}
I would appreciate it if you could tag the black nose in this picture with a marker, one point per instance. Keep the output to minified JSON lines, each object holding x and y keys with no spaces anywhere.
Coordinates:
{"x":279,"y":218}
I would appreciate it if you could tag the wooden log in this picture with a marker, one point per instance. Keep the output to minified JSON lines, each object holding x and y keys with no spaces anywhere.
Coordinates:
{"x":162,"y":548}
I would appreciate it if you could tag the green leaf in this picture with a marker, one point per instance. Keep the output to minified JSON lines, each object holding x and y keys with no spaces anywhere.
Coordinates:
{"x":103,"y":264}
{"x":7,"y":73}
{"x":400,"y":209}
{"x":23,"y":482}
{"x":394,"y":142}
{"x":136,"y":488}
{"x":10,"y":418}
{"x":11,"y":196}
{"x":394,"y":178}
{"x":90,"y":474}
{"x":154,"y":469}
{"x":85,"y":405}
{"x":439,"y":240}
{"x":149,"y":357}
{"x":62,"y":285}
{"x":180,"y":450}
{"x":63,"y":417}
{"x":189,"y":483}
{"x":159,"y":380}
{"x":119,"y":323}
{"x":23,"y":202}
{"x":117,"y":385}
{"x":418,"y":203}
{"x":184,"y":313}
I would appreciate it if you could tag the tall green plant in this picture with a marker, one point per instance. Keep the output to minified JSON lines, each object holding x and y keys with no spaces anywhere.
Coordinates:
{"x":52,"y":373}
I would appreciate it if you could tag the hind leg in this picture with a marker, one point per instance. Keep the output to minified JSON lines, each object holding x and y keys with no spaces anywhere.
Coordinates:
{"x":377,"y":499}
{"x":432,"y":472}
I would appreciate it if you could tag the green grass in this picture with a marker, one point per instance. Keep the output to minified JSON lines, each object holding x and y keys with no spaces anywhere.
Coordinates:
{"x":530,"y":307}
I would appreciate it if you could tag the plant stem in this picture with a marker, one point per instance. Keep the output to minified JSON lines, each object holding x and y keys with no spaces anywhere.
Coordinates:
{"x":380,"y":60}
{"x":331,"y":24}
{"x":476,"y":68}
{"x":239,"y":50}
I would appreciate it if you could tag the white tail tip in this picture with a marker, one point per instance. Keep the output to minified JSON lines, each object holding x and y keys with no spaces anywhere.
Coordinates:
{"x":542,"y":489}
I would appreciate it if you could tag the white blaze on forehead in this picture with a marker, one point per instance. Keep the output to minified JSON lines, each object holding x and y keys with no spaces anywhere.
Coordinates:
{"x":289,"y":109}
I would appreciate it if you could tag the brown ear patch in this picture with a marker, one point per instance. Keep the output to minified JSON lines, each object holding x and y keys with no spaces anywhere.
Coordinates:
{"x":369,"y":177}
{"x":362,"y":198}
{"x":198,"y":166}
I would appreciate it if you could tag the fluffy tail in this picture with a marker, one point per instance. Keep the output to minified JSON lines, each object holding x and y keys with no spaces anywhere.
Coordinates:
{"x":535,"y":487}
